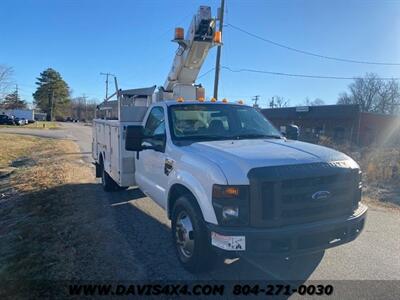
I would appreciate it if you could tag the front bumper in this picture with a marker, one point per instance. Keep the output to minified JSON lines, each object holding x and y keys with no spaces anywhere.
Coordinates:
{"x":295,"y":239}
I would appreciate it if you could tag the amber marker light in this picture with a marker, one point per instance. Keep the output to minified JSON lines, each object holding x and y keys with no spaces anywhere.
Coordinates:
{"x":220,"y":191}
{"x":218,"y":37}
{"x":179,"y":33}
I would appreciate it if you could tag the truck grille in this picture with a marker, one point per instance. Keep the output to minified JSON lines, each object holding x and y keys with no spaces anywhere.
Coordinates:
{"x":283,"y":195}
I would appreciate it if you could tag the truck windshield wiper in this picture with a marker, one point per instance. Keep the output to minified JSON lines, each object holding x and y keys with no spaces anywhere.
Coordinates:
{"x":257,"y":136}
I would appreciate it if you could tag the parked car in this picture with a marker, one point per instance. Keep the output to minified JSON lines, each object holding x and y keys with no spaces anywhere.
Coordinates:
{"x":18,"y":121}
{"x":25,"y":121}
{"x":6,"y":120}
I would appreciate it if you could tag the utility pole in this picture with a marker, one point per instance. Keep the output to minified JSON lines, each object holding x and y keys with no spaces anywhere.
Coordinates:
{"x":16,"y":93}
{"x":107,"y":74}
{"x":85,"y":103}
{"x":218,"y":61}
{"x":255,"y":99}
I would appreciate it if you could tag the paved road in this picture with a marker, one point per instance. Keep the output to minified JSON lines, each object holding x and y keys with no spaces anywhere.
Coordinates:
{"x":373,"y":256}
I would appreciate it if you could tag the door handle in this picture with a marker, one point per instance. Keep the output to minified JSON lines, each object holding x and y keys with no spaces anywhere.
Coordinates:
{"x":168,"y":166}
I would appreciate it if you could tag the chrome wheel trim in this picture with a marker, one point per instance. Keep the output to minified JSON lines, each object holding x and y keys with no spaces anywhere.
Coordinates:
{"x":184,"y":234}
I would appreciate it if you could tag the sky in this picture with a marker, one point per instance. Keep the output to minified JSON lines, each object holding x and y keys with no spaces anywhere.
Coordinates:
{"x":132,"y":39}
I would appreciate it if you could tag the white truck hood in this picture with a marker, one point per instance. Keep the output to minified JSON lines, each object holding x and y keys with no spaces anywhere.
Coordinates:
{"x":236,"y":158}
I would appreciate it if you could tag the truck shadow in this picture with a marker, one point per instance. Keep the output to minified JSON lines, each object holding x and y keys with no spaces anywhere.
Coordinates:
{"x":140,"y":219}
{"x":79,"y":231}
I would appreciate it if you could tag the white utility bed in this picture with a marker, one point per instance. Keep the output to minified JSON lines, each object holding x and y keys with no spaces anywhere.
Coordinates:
{"x":108,"y":146}
{"x":109,"y":143}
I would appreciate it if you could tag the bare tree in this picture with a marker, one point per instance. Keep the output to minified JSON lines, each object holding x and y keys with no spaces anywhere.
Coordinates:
{"x":365,"y":91}
{"x":373,"y":94}
{"x":344,"y":98}
{"x":389,"y":98}
{"x":278,"y":101}
{"x":315,"y":102}
{"x":83,"y":109}
{"x":6,"y":73}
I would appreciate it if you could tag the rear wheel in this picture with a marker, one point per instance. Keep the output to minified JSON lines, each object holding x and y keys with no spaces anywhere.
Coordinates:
{"x":190,"y":236}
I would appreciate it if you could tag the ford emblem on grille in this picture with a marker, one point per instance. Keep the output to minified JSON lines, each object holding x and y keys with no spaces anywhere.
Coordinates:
{"x":321,"y":195}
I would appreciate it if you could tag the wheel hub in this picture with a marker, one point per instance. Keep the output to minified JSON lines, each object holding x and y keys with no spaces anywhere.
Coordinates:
{"x":184,"y":234}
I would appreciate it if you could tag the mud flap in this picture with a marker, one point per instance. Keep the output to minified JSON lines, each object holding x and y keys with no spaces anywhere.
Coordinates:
{"x":98,"y":170}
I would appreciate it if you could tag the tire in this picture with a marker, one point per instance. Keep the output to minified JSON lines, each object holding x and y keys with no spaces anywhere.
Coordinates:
{"x":190,"y":236}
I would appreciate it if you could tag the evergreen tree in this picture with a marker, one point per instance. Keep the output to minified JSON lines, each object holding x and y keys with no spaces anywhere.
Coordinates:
{"x":13,"y":101}
{"x":52,"y":95}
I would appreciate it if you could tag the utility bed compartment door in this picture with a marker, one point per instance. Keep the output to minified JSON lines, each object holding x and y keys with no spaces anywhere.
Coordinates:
{"x":114,"y":153}
{"x":127,"y":161}
{"x":109,"y":140}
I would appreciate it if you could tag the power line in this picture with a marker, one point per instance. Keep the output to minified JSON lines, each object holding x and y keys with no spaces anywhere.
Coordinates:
{"x":312,"y":53}
{"x":301,"y":75}
{"x":206,"y":73}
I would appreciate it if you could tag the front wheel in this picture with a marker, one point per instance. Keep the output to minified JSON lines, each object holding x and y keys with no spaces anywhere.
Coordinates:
{"x":190,"y":236}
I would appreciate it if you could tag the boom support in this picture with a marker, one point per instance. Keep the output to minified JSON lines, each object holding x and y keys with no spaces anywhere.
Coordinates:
{"x":190,"y":56}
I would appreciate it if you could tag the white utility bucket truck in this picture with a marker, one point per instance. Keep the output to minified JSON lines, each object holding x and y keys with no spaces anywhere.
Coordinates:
{"x":228,"y":180}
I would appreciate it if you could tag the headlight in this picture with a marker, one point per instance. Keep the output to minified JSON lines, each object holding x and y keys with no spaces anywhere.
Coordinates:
{"x":231,"y":204}
{"x":230,"y":212}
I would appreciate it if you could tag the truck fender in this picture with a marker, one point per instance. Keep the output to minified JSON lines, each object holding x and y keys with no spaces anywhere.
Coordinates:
{"x":187,"y":181}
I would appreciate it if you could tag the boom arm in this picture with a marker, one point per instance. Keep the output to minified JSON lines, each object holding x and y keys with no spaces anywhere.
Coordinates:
{"x":192,"y":52}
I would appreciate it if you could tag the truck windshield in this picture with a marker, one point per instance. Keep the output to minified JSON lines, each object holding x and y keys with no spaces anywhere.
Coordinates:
{"x":199,"y":122}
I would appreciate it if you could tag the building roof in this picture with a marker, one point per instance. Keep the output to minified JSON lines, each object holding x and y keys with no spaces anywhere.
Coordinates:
{"x":139,"y":92}
{"x":313,"y":112}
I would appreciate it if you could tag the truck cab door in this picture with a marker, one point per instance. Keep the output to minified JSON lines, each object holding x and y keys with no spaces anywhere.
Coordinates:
{"x":150,"y":174}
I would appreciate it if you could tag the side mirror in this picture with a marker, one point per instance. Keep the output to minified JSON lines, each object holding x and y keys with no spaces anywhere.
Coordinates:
{"x":134,"y":138}
{"x":292,"y":132}
{"x":158,"y":143}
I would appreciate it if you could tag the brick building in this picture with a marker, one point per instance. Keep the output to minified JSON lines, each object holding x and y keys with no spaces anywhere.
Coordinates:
{"x":341,"y":123}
